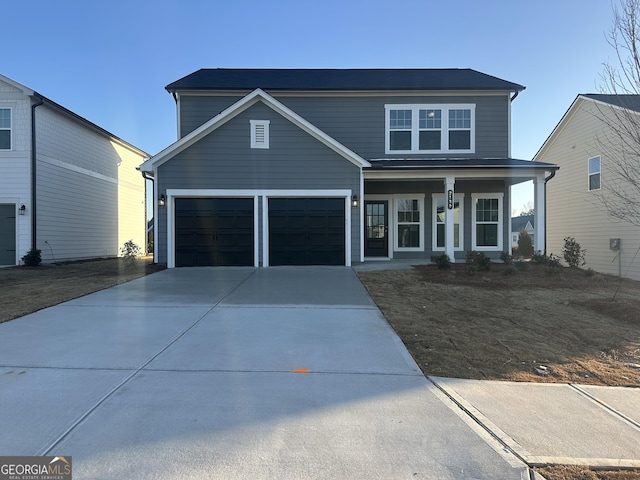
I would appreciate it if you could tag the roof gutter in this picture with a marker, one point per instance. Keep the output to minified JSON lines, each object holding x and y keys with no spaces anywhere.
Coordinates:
{"x":517,"y":92}
{"x":34,"y":224}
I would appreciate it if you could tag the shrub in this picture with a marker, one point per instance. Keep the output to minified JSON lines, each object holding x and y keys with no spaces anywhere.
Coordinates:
{"x":521,"y":266}
{"x":572,"y":253}
{"x":479,"y":260}
{"x":32,"y":258}
{"x":525,"y":245}
{"x":539,"y":257}
{"x":510,"y":270}
{"x":471,"y":270}
{"x":589,"y":272}
{"x":506,"y":258}
{"x":442,"y":261}
{"x":130,"y":253}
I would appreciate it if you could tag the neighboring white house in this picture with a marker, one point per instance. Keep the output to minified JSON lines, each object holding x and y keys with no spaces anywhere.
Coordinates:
{"x":581,"y":145}
{"x":67,"y":186}
{"x":519,"y":223}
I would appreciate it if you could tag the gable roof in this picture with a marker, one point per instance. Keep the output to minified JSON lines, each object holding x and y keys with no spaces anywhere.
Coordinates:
{"x":518,"y":223}
{"x":627,"y":102}
{"x":39,"y":97}
{"x":341,"y":79}
{"x":239,"y":107}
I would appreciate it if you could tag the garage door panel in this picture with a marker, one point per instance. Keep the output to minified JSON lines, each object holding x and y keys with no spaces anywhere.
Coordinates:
{"x":214,"y":232}
{"x":307,"y":231}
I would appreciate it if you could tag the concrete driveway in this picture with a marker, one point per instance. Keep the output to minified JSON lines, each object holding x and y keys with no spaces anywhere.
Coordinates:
{"x":232,"y":373}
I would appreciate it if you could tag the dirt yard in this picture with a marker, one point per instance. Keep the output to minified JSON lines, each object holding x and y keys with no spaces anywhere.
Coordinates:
{"x":28,"y":289}
{"x":583,"y":329}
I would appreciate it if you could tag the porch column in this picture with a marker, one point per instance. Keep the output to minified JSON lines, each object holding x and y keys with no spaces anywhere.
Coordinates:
{"x":449,"y":202}
{"x":539,"y":220}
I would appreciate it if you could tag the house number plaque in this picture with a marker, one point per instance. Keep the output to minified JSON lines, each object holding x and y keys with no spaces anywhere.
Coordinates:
{"x":450,"y":199}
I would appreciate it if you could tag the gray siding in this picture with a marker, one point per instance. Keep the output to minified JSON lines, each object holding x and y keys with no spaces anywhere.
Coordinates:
{"x":224,"y":160}
{"x":359,"y":122}
{"x":430,"y":187}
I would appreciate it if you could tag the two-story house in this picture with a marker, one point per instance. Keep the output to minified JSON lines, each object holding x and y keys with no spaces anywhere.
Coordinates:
{"x":334,"y":167}
{"x":591,"y":143}
{"x":67,"y":187}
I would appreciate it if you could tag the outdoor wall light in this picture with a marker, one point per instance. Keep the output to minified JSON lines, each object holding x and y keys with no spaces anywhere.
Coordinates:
{"x":354,"y":200}
{"x":22,"y":209}
{"x":162,"y":200}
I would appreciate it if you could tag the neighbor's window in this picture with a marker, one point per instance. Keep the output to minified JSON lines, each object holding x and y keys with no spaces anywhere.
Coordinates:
{"x":487,"y":221}
{"x":430,"y":128}
{"x":594,"y":173}
{"x":439,"y":206}
{"x":5,"y":129}
{"x":409,"y":223}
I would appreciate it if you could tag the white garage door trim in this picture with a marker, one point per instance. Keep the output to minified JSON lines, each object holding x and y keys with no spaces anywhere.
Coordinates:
{"x":171,"y":194}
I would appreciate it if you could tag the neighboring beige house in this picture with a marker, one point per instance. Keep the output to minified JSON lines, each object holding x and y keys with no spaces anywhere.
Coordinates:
{"x":584,"y":147}
{"x":67,"y":186}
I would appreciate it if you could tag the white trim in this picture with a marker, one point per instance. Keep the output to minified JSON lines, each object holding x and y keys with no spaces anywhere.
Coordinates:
{"x":444,"y":128}
{"x":362,"y":216}
{"x":75,"y":168}
{"x":352,"y":93}
{"x":408,"y":196}
{"x":237,"y":108}
{"x":171,"y":194}
{"x":259,"y":139}
{"x":434,"y":224}
{"x":500,"y":197}
{"x":589,"y":174}
{"x":11,"y":128}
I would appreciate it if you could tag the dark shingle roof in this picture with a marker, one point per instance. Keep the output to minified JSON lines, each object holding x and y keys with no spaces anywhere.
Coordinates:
{"x":518,"y":223}
{"x":443,"y":164}
{"x":630,"y":102}
{"x":341,"y":79}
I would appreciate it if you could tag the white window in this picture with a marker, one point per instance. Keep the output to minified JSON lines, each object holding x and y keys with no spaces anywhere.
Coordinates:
{"x":409,"y":223}
{"x":430,"y":128}
{"x":5,"y":129}
{"x":487,"y":221}
{"x":594,"y":173}
{"x":259,"y":133}
{"x":439,"y":207}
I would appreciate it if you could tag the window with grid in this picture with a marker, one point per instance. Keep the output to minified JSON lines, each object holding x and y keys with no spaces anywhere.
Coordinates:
{"x":430,"y":128}
{"x":409,"y":222}
{"x":5,"y":129}
{"x":487,"y":222}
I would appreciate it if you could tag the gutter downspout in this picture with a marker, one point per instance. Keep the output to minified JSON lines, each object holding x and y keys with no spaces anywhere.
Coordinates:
{"x":553,"y":174}
{"x":33,"y":170}
{"x":149,"y":177}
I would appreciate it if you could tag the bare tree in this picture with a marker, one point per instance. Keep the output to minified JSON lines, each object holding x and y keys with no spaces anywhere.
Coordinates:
{"x":620,"y":142}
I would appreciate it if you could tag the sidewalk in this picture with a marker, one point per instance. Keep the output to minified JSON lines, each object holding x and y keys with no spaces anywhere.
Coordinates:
{"x":545,"y":423}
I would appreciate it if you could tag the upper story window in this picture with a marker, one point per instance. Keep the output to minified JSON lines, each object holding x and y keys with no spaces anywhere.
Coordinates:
{"x":594,"y":173}
{"x":5,"y":129}
{"x":430,"y":128}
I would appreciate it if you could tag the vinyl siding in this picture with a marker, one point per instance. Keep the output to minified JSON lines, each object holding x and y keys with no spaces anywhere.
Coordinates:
{"x":358,"y":122}
{"x":224,"y":160}
{"x":90,"y":197}
{"x":15,"y":166}
{"x":574,"y":211}
{"x":430,"y":187}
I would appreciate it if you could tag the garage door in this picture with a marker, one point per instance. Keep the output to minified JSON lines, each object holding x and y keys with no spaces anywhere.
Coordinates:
{"x":7,"y":234}
{"x":214,"y":232}
{"x":306,"y":231}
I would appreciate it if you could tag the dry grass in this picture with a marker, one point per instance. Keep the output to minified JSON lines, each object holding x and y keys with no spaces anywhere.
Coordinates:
{"x":562,"y":472}
{"x":25,"y":290}
{"x":585,"y":329}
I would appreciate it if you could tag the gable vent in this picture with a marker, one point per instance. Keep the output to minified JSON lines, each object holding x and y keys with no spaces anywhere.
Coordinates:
{"x":259,"y":133}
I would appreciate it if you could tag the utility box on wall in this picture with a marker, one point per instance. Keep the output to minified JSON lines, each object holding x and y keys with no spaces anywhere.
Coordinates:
{"x":614,"y":244}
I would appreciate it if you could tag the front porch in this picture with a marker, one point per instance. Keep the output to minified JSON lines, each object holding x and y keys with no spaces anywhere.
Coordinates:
{"x":416,"y":209}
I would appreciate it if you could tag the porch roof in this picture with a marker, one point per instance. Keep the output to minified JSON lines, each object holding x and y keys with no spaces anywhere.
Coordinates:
{"x":458,"y":163}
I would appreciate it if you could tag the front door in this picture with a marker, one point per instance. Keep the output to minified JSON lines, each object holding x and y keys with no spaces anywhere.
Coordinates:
{"x":376,"y":228}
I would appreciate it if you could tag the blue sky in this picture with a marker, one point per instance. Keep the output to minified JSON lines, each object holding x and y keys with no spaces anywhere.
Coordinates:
{"x":110,"y":61}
